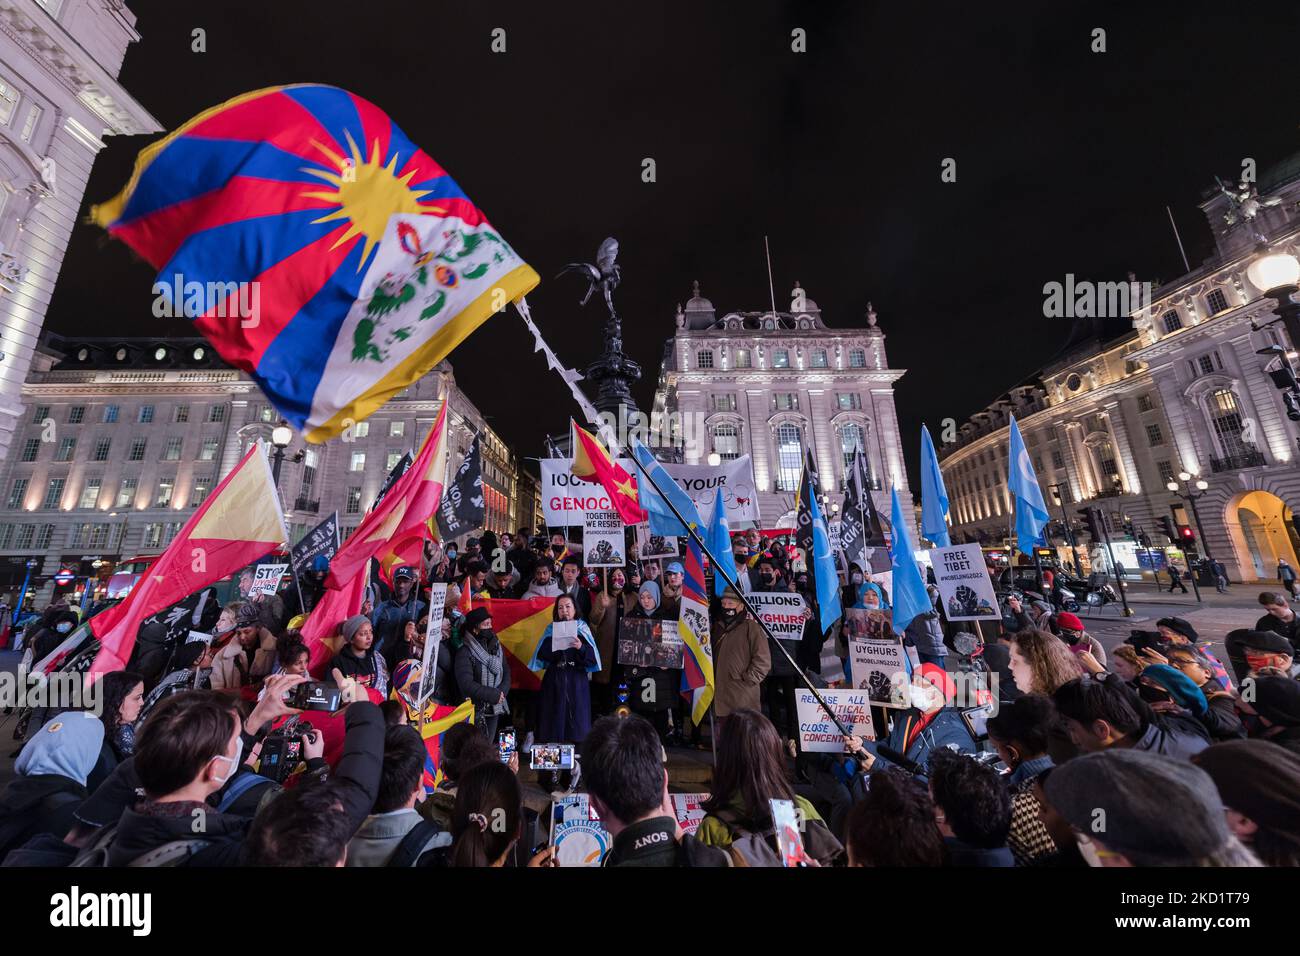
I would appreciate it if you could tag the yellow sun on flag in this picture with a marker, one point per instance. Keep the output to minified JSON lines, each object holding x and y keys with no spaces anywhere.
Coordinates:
{"x":368,"y":194}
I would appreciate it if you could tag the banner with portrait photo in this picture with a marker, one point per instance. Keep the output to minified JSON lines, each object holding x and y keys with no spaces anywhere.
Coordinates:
{"x":650,"y":546}
{"x":965,"y":589}
{"x":646,"y":642}
{"x":878,"y":661}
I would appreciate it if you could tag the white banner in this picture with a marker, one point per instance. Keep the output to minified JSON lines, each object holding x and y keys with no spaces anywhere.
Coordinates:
{"x":566,"y":498}
{"x":784,"y":612}
{"x":964,"y":585}
{"x":818,"y":733}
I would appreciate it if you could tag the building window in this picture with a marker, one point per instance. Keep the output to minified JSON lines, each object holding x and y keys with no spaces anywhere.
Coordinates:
{"x":209,"y":450}
{"x":182,"y":414}
{"x":1155,"y":436}
{"x":1172,"y":322}
{"x":818,"y":359}
{"x":785,"y":402}
{"x":137,"y":449}
{"x":358,"y":462}
{"x":45,"y":537}
{"x":53,"y":492}
{"x":789,"y":455}
{"x":6,"y":535}
{"x":67,"y":448}
{"x":742,"y":359}
{"x":8,"y":100}
{"x":1225,"y":418}
{"x":216,"y":414}
{"x":724,"y":403}
{"x":110,"y":414}
{"x":857,"y":358}
{"x":126,"y":492}
{"x":851,"y":401}
{"x":726,"y":441}
{"x":42,"y":412}
{"x":165,"y":488}
{"x":361,"y":429}
{"x":90,"y":493}
{"x":76,"y":414}
{"x":396,"y":429}
{"x":146,"y":414}
{"x":1216,"y":302}
{"x":265,"y":413}
{"x":52,"y":7}
{"x":850,"y":442}
{"x":309,"y":462}
{"x":1205,"y":364}
{"x":25,"y":534}
{"x":1166,"y":471}
{"x":1058,"y":460}
{"x":1145,"y":404}
{"x":102,"y":446}
{"x":17,"y":493}
{"x":202,"y":485}
{"x":704,"y":358}
{"x":173,"y":450}
{"x":393,"y":458}
{"x":354,"y":501}
{"x":30,"y":448}
{"x":31,"y":122}
{"x":152,"y":536}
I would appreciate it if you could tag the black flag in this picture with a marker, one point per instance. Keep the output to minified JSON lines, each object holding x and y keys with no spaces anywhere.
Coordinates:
{"x":462,"y":508}
{"x":399,"y":469}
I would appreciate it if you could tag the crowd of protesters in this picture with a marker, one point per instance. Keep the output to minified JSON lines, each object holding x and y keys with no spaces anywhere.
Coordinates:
{"x":1191,"y":760}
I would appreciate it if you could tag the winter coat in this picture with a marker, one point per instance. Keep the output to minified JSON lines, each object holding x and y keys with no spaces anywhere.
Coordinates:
{"x":741,"y":659}
{"x":667,"y":681}
{"x":564,"y":708}
{"x":471,"y":677}
{"x":41,"y":803}
{"x":226,"y":667}
{"x":604,"y":623}
{"x":389,"y":622}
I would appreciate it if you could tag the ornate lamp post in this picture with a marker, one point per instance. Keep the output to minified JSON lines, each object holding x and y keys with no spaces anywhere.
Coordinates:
{"x":281,"y":437}
{"x":1185,"y":492}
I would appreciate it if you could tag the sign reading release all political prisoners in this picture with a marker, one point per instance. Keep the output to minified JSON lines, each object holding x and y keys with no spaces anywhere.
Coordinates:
{"x":818,"y":733}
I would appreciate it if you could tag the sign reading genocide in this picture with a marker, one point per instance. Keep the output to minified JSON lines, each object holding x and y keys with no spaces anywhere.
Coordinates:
{"x":818,"y":733}
{"x":964,"y":585}
{"x":784,"y":612}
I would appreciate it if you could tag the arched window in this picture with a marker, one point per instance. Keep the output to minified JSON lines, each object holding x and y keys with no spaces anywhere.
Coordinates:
{"x":1225,"y":419}
{"x":789,"y":457}
{"x":726,"y":441}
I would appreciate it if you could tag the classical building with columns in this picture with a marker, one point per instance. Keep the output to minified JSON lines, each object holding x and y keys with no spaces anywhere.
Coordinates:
{"x":770,"y":385}
{"x":1174,"y":386}
{"x":120,"y":439}
{"x":59,"y":96}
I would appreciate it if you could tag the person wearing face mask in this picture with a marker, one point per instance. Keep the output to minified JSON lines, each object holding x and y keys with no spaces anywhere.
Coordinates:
{"x":611,"y":604}
{"x":482,"y":672}
{"x":741,"y":658}
{"x":1219,"y":716}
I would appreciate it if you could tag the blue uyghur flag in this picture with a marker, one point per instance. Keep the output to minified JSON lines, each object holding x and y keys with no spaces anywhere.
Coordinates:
{"x":825,"y":575}
{"x":934,"y":497}
{"x":662,"y":519}
{"x":910,"y":596}
{"x":1031,"y":511}
{"x":720,"y":543}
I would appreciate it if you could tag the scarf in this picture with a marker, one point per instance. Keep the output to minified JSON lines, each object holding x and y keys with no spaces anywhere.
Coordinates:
{"x":491,"y":665}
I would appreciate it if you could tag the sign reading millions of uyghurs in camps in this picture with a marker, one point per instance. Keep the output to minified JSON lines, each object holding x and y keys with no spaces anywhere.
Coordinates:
{"x":784,"y":612}
{"x":603,"y":540}
{"x":566,"y":497}
{"x":322,"y":539}
{"x":818,"y":733}
{"x":964,"y":585}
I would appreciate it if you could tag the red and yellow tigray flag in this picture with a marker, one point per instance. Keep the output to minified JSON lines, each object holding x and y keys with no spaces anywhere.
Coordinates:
{"x":519,"y":626}
{"x":591,"y":462}
{"x":237,"y":524}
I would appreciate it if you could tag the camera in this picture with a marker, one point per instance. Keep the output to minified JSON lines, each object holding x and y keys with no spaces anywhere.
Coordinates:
{"x":315,"y":695}
{"x":1140,"y":639}
{"x":282,"y":750}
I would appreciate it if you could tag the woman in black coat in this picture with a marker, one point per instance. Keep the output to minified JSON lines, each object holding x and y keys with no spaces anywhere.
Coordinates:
{"x":482,"y":671}
{"x":122,"y":699}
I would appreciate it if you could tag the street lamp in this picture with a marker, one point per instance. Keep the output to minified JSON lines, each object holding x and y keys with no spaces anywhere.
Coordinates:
{"x":1185,"y":492}
{"x":1065,"y":523}
{"x":714,"y":459}
{"x":281,"y":436}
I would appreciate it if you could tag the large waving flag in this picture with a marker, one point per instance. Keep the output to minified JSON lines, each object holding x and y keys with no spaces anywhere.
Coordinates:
{"x":812,"y":535}
{"x":693,"y":628}
{"x":662,"y":519}
{"x":934,"y":496}
{"x":438,"y":719}
{"x":519,"y":625}
{"x":910,"y":595}
{"x":719,"y":541}
{"x":316,"y":247}
{"x":1031,"y":511}
{"x":591,"y":462}
{"x":237,"y":524}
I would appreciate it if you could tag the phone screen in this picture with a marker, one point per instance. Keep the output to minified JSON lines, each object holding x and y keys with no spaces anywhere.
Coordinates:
{"x":551,"y":757}
{"x":506,"y":745}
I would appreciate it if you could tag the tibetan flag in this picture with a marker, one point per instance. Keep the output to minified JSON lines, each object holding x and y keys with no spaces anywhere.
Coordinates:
{"x":519,"y":625}
{"x":316,"y":247}
{"x":591,"y":462}
{"x":693,"y":628}
{"x":399,"y":523}
{"x":660,"y":506}
{"x":1031,"y":510}
{"x":438,"y":719}
{"x":237,"y":524}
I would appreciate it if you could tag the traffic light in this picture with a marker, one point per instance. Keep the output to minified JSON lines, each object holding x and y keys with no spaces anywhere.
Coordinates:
{"x":1092,"y":520}
{"x":1167,"y":527}
{"x":1186,"y":535}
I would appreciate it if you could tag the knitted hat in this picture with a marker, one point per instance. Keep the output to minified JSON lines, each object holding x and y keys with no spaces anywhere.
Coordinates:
{"x":1277,"y":700}
{"x":1179,"y":626}
{"x":1259,"y":780}
{"x":352,"y":625}
{"x":1069,"y":621}
{"x":474,"y":618}
{"x":1155,"y":810}
{"x":1180,"y":686}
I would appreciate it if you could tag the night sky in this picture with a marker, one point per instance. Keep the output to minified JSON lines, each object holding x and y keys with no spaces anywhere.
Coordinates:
{"x":1065,"y":161}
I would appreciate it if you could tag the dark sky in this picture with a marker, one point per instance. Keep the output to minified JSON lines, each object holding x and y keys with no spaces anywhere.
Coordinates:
{"x":1065,"y":160}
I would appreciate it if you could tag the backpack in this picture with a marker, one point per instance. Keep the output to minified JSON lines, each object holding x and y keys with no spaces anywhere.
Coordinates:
{"x":172,"y":853}
{"x":759,"y":848}
{"x":425,"y":835}
{"x":16,"y":827}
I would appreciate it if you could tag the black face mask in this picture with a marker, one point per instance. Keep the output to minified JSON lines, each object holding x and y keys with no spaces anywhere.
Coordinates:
{"x":1153,"y":695}
{"x":730,"y":611}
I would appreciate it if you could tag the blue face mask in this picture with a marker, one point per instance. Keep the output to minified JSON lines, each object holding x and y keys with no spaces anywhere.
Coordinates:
{"x":63,"y":628}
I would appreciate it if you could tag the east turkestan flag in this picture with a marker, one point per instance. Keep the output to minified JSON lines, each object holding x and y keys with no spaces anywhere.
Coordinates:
{"x":1031,"y":510}
{"x":316,"y":247}
{"x":237,"y":523}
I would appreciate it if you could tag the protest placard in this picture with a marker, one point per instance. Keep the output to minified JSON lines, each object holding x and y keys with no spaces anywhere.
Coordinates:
{"x":688,"y":809}
{"x":964,"y":585}
{"x":432,"y":638}
{"x":644,"y":642}
{"x":602,"y":540}
{"x":784,"y":612}
{"x":654,"y":545}
{"x":577,"y":834}
{"x":882,"y":669}
{"x":320,"y":540}
{"x":818,"y":733}
{"x":266,"y":580}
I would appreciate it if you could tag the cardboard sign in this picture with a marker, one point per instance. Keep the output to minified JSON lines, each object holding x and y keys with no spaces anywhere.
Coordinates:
{"x":577,"y":834}
{"x":818,"y":733}
{"x":784,"y":612}
{"x":965,"y":591}
{"x":688,"y":810}
{"x":644,"y":642}
{"x":882,"y":669}
{"x":432,"y":638}
{"x":267,"y":579}
{"x":651,"y":546}
{"x":602,"y":540}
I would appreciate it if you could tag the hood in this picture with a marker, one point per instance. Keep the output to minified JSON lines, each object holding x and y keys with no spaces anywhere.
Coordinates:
{"x":68,"y":746}
{"x":152,"y":825}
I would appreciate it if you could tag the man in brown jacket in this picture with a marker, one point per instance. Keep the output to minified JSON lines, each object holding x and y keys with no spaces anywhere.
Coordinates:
{"x":741,"y":658}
